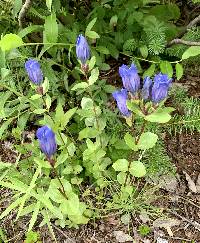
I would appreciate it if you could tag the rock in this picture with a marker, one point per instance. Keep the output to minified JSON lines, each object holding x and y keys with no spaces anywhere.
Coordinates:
{"x":121,"y":236}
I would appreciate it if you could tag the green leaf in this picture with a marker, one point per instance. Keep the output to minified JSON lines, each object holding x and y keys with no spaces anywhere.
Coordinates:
{"x":93,"y":35}
{"x":137,"y":169}
{"x":90,"y":25}
{"x":49,"y":3}
{"x":166,"y":68}
{"x":121,"y":177}
{"x":94,"y":76}
{"x":191,"y":52}
{"x":48,"y":101}
{"x":82,"y":85}
{"x":179,"y":71}
{"x":113,"y":21}
{"x":130,"y":141}
{"x":16,"y":7}
{"x":30,"y":29}
{"x":121,"y":165}
{"x":67,"y":116}
{"x":144,"y":51}
{"x":10,"y":41}
{"x":39,"y":111}
{"x":5,"y":125}
{"x":88,"y":132}
{"x":147,"y":140}
{"x":50,"y":29}
{"x":92,"y":62}
{"x":87,"y":103}
{"x":35,"y":97}
{"x":4,"y":165}
{"x":103,"y":50}
{"x":160,"y":116}
{"x":45,"y":85}
{"x":150,"y":71}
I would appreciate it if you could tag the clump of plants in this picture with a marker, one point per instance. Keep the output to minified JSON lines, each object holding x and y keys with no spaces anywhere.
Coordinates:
{"x":68,"y":134}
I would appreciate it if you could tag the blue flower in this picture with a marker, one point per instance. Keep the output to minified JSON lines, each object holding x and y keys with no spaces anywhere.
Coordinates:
{"x":146,"y":89}
{"x":34,"y":71}
{"x":121,"y":98}
{"x":82,"y":49}
{"x":130,"y":78}
{"x":160,"y":87}
{"x":47,"y":141}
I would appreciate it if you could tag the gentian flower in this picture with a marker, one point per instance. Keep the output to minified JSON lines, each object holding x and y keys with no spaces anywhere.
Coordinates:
{"x":47,"y":141}
{"x":146,"y":89}
{"x":82,"y":49}
{"x":160,"y":87}
{"x":121,"y":98}
{"x":130,"y":78}
{"x":34,"y":71}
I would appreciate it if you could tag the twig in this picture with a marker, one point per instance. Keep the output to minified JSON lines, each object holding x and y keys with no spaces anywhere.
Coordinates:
{"x":23,"y":12}
{"x":193,"y":223}
{"x":60,"y":231}
{"x":184,"y":42}
{"x":181,"y":34}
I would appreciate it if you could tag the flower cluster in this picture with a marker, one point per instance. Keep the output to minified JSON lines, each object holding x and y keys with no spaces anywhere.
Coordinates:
{"x":154,"y":90}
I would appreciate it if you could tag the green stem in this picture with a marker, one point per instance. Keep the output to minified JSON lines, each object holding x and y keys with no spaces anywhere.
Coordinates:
{"x":62,"y":189}
{"x":136,"y":142}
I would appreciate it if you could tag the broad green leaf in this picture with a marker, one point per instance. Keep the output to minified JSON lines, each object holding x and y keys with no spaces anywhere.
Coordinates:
{"x":130,"y":141}
{"x":4,"y":165}
{"x":137,"y":169}
{"x":88,"y":132}
{"x":160,"y":116}
{"x":144,"y":51}
{"x":67,"y":116}
{"x":134,"y":107}
{"x":10,"y":41}
{"x":103,"y":50}
{"x":90,"y":25}
{"x":93,"y":35}
{"x":30,"y":29}
{"x":166,"y":68}
{"x":179,"y":71}
{"x":92,"y":63}
{"x":87,"y":103}
{"x":113,"y":21}
{"x":48,"y":101}
{"x":147,"y":140}
{"x":94,"y":76}
{"x":121,"y":165}
{"x":150,"y":71}
{"x":191,"y":52}
{"x":121,"y":177}
{"x":45,"y":85}
{"x":82,"y":85}
{"x":59,"y":114}
{"x":50,"y":29}
{"x":39,"y":111}
{"x":16,"y":7}
{"x":35,"y":97}
{"x":49,"y":3}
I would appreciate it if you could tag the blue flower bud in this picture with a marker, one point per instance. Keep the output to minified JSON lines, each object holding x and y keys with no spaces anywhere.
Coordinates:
{"x":146,"y":89}
{"x":34,"y":71}
{"x":121,"y":98}
{"x":47,"y":141}
{"x":130,"y":78}
{"x":82,"y":49}
{"x":160,"y":87}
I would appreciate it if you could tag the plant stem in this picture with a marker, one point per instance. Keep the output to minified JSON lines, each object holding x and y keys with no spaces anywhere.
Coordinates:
{"x":136,"y":142}
{"x":62,"y":191}
{"x":94,"y":109}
